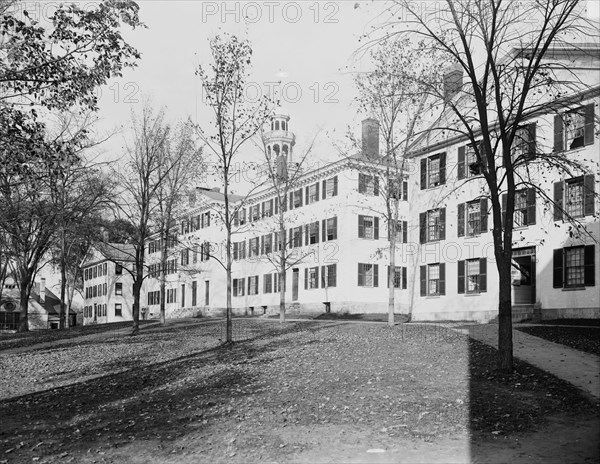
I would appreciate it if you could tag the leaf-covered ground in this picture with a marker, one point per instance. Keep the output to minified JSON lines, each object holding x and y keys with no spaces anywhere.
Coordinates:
{"x":581,"y":338}
{"x":280,"y":394}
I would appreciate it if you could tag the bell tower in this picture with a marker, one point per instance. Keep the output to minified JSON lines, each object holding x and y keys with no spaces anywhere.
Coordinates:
{"x":280,"y":141}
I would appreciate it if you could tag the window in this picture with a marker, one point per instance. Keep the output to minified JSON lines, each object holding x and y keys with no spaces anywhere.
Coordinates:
{"x":368,"y":275}
{"x":524,"y":207}
{"x":239,"y":217}
{"x":104,"y":288}
{"x":276,"y":287}
{"x":329,"y":229}
{"x":239,"y":250}
{"x":433,"y":171}
{"x":575,"y":197}
{"x":95,"y":271}
{"x":400,"y":277}
{"x":205,"y":219}
{"x":253,"y":285}
{"x":118,"y":309}
{"x":172,"y":295}
{"x":330,"y":188}
{"x":401,"y":231}
{"x":185,"y":257}
{"x":296,"y":237}
{"x":185,"y":227}
{"x":194,"y":293}
{"x":267,"y":283}
{"x":104,"y":268}
{"x":474,"y":216}
{"x":206,"y":292}
{"x":312,"y":193}
{"x":574,"y":267}
{"x":329,"y":276}
{"x":277,"y":242}
{"x":574,"y":129}
{"x":118,"y":268}
{"x":296,"y":199}
{"x":312,"y":233}
{"x":204,"y":251}
{"x":266,"y":244}
{"x":472,"y":275}
{"x":524,"y":143}
{"x":238,"y":287}
{"x":253,"y":247}
{"x":254,"y":213}
{"x":154,"y":298}
{"x":311,"y":278}
{"x":267,"y":208}
{"x":433,"y":279}
{"x":369,"y":185}
{"x":85,"y":274}
{"x":368,"y":227}
{"x":398,"y":189}
{"x":468,"y":165}
{"x":151,"y":247}
{"x":432,"y":225}
{"x":95,"y":291}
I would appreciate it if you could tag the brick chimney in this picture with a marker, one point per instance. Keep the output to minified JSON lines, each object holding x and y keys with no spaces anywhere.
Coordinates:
{"x":42,"y":290}
{"x":370,"y":138}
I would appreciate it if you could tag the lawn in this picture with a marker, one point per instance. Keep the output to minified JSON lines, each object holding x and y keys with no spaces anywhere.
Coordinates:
{"x":311,"y":391}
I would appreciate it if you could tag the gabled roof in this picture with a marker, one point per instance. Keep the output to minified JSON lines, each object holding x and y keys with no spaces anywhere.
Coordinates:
{"x":51,"y":302}
{"x":113,"y":252}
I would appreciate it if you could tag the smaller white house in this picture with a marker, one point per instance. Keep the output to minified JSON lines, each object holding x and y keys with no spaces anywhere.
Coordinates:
{"x":43,"y":308}
{"x":108,"y":284}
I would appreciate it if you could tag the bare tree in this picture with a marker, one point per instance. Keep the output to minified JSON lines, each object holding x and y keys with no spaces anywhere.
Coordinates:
{"x":392,"y":93}
{"x":182,"y":163}
{"x":141,"y":179}
{"x":504,"y":51}
{"x":236,"y":121}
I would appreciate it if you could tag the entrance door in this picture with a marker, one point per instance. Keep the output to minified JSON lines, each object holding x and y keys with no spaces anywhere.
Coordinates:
{"x":295,"y":278}
{"x":523,"y":276}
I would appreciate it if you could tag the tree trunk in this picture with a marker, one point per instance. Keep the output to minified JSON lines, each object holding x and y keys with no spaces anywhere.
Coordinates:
{"x":282,"y":268}
{"x":163,"y":277}
{"x":282,"y":296}
{"x":391,"y":275}
{"x":137,"y":287}
{"x":24,"y":291}
{"x":505,"y":342}
{"x":63,"y":317}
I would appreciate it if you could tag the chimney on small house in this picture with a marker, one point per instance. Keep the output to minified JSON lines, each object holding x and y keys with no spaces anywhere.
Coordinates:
{"x":42,"y":290}
{"x":370,"y":138}
{"x":453,"y":81}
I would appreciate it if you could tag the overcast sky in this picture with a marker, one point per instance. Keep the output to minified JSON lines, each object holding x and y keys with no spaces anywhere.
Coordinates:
{"x":309,"y":46}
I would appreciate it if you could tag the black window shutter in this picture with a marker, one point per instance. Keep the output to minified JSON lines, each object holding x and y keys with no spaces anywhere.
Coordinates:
{"x":404,"y":278}
{"x":361,"y":275}
{"x":442,"y":278}
{"x":291,"y":240}
{"x":306,"y":234}
{"x":589,"y":277}
{"x":442,"y":223}
{"x":317,"y":191}
{"x":324,"y":230}
{"x":301,"y":197}
{"x":376,"y":228}
{"x":461,"y":220}
{"x":323,"y":282}
{"x":530,"y":206}
{"x":557,"y":275}
{"x":483,"y":274}
{"x":243,"y":286}
{"x":423,"y":275}
{"x":375,"y":185}
{"x":361,"y":226}
{"x":375,"y":275}
{"x":588,"y":137}
{"x":461,"y":276}
{"x":361,"y":183}
{"x":316,"y":229}
{"x":423,"y":227}
{"x":442,"y":168}
{"x":531,"y":148}
{"x":276,"y":206}
{"x":558,"y":201}
{"x":388,"y":276}
{"x":335,"y":227}
{"x":306,"y":279}
{"x":404,"y":231}
{"x":291,"y":201}
{"x":317,"y":277}
{"x":588,"y":194}
{"x":483,"y":215}
{"x":324,"y":189}
{"x":307,"y":196}
{"x":405,"y":191}
{"x":335,"y":186}
{"x":461,"y":163}
{"x":423,"y":173}
{"x":558,"y":133}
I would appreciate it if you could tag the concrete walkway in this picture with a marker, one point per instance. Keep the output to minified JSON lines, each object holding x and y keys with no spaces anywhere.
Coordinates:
{"x":576,"y":367}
